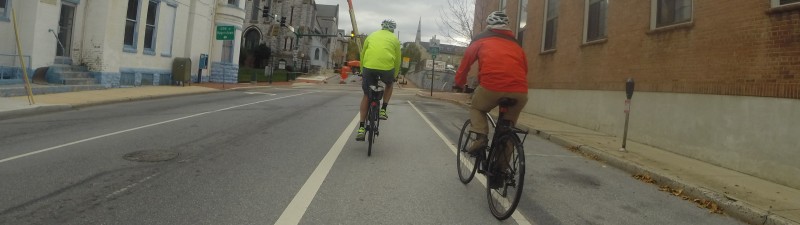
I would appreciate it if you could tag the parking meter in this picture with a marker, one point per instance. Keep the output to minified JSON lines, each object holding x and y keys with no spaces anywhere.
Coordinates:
{"x":629,"y":88}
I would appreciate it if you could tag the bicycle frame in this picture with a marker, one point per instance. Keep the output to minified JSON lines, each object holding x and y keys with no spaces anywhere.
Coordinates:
{"x":513,"y":129}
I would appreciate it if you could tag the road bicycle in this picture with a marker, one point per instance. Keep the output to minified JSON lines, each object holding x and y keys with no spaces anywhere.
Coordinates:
{"x":504,"y":169}
{"x":374,"y":96}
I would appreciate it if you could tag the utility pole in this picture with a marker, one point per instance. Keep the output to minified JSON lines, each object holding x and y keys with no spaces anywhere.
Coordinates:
{"x":434,"y":50}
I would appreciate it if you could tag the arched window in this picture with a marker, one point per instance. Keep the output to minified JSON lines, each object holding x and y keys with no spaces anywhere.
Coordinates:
{"x":251,"y":39}
{"x":316,"y":54}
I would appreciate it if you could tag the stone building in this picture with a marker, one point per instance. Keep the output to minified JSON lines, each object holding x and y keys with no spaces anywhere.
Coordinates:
{"x":288,"y":49}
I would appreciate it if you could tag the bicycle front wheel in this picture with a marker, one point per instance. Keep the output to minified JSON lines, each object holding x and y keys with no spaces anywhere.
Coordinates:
{"x":507,"y":164}
{"x":465,"y":164}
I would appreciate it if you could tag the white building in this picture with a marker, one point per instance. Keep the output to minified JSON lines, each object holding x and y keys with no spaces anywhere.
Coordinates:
{"x":121,"y":42}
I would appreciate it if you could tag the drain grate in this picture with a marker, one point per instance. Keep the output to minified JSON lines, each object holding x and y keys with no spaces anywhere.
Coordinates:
{"x":150,"y":156}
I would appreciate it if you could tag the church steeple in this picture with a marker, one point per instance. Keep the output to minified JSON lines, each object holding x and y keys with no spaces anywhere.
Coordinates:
{"x":419,"y":32}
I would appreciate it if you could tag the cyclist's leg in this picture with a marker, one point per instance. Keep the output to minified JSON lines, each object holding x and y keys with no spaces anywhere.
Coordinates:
{"x":388,"y":78}
{"x":482,"y":101}
{"x":368,"y":78}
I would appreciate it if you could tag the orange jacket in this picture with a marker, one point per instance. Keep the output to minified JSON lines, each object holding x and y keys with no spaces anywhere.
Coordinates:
{"x":503,"y":66}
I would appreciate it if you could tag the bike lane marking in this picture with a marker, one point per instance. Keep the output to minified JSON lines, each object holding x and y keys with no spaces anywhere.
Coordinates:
{"x":299,"y":204}
{"x":141,"y":127}
{"x":517,"y":216}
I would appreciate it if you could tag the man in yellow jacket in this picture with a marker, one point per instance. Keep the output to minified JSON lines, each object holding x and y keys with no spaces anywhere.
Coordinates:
{"x":380,"y":57}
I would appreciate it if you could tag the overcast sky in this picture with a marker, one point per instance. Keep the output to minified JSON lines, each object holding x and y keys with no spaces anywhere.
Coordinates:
{"x":407,"y":14}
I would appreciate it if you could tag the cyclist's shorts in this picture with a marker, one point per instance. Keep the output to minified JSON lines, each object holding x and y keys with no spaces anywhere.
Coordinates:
{"x":369,"y":77}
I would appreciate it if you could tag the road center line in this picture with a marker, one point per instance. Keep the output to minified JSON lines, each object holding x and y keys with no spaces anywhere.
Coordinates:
{"x":139,"y":128}
{"x":297,"y":208}
{"x":518,"y":217}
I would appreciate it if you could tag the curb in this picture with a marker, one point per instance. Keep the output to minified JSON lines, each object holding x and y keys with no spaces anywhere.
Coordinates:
{"x":66,"y":107}
{"x":732,"y":207}
{"x":738,"y":210}
{"x":39,"y":110}
{"x":139,"y":98}
{"x":313,"y":81}
{"x":459,"y":103}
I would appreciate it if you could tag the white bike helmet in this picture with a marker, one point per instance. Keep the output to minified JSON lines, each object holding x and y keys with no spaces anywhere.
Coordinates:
{"x":388,"y":25}
{"x":497,"y":18}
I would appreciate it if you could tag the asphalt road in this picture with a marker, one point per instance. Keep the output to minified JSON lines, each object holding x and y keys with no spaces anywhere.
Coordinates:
{"x":288,"y":155}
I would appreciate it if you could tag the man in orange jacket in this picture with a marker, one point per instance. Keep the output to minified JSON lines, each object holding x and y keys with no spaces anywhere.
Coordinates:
{"x":503,"y":73}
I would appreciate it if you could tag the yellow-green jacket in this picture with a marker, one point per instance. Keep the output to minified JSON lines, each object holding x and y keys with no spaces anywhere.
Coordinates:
{"x":381,"y":51}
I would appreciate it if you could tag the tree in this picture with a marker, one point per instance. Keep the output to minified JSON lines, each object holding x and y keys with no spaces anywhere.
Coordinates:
{"x":352,"y":48}
{"x":457,"y":20}
{"x":412,"y":52}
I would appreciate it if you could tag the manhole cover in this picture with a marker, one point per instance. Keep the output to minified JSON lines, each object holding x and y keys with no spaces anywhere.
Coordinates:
{"x":150,"y":156}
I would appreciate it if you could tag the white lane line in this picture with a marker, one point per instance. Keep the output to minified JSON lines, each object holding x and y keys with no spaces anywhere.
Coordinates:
{"x":259,"y":93}
{"x":139,"y":128}
{"x":517,"y":216}
{"x":297,"y":208}
{"x":131,"y":186}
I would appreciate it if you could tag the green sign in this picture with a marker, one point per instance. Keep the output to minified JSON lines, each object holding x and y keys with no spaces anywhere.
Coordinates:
{"x":434,"y":50}
{"x":226,"y":32}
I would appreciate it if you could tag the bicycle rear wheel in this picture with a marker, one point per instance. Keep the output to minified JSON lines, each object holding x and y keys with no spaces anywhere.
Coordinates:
{"x":504,"y":200}
{"x":465,"y":164}
{"x":372,"y":118}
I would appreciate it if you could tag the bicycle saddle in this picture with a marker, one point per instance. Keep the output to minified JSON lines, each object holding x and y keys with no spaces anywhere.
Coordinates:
{"x":507,"y":102}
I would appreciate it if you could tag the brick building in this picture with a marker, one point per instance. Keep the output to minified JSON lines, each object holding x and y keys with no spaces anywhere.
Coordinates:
{"x":716,"y":80}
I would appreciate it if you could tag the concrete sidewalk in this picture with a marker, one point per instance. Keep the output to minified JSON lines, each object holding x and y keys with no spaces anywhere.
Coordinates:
{"x":748,"y":198}
{"x":14,"y":107}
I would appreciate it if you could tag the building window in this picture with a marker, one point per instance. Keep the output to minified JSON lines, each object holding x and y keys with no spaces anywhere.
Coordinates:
{"x":775,"y":3}
{"x":551,"y":25}
{"x":233,"y":3}
{"x":285,"y":42}
{"x":595,"y":24}
{"x":256,"y":9}
{"x":316,"y":54}
{"x":523,"y":19}
{"x":671,"y":12}
{"x":169,"y":19}
{"x":5,"y":9}
{"x":227,"y":51}
{"x":150,"y":28}
{"x":131,"y":28}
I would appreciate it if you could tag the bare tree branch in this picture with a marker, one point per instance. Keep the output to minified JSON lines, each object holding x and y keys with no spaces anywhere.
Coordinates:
{"x":456,"y":21}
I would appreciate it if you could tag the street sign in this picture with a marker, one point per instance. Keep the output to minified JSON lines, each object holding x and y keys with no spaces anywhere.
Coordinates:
{"x":225,"y":32}
{"x":434,"y":51}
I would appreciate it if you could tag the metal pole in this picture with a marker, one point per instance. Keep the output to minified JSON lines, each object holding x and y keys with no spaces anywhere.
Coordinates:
{"x":628,"y":94}
{"x":355,"y":26}
{"x":22,"y":60}
{"x":627,"y":117}
{"x":433,"y":71}
{"x":199,"y":74}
